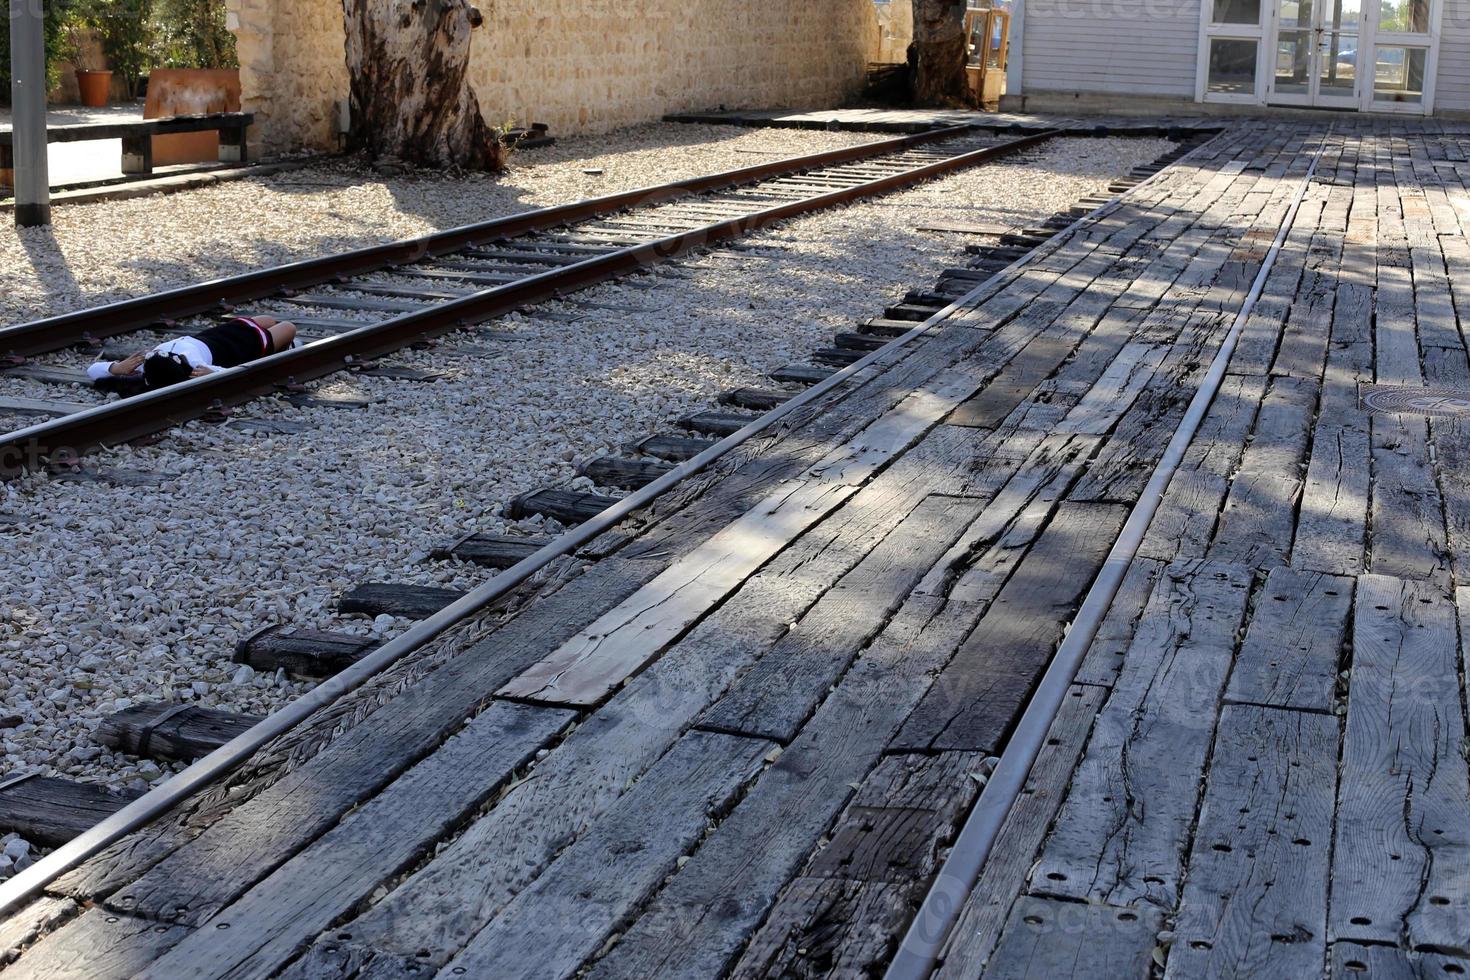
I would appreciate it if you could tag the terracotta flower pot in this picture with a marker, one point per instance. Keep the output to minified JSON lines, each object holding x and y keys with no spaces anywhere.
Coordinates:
{"x":95,"y":87}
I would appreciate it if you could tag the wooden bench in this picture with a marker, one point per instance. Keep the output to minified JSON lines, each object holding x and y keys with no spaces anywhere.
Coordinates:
{"x":137,"y":139}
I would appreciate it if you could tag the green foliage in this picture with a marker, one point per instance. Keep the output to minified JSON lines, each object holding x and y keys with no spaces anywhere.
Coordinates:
{"x":57,"y":12}
{"x":192,"y":34}
{"x":136,"y":36}
{"x":122,"y":28}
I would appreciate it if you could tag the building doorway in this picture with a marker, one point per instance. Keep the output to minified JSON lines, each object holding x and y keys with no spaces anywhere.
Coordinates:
{"x":1374,"y":55}
{"x":1317,"y":53}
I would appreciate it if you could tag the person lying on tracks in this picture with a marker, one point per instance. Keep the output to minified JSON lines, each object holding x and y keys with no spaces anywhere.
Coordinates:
{"x":235,"y":341}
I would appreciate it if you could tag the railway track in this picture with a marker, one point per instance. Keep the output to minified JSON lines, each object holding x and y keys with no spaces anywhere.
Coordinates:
{"x":392,"y":296}
{"x":551,"y":244}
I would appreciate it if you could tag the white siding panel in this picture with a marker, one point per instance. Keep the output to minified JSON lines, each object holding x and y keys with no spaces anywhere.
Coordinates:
{"x":1125,"y":47}
{"x":1452,"y":87}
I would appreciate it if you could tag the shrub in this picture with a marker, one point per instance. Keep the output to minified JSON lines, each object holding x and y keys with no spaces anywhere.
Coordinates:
{"x":124,"y":29}
{"x":192,"y":34}
{"x":57,"y":12}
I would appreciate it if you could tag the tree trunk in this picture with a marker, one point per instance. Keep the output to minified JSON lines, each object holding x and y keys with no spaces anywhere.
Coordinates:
{"x":411,"y":98}
{"x":939,"y":47}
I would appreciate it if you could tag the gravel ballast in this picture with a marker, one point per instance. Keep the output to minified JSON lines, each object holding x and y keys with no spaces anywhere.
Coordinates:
{"x":119,"y":594}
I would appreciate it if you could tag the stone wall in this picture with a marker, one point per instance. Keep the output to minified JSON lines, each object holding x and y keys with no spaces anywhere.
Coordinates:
{"x":293,"y":71}
{"x":895,"y":31}
{"x":581,"y":66}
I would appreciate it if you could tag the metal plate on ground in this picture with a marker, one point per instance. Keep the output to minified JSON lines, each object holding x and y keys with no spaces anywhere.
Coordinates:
{"x":1440,"y":403}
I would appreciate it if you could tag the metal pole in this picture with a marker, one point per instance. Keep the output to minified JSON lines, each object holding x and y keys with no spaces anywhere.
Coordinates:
{"x":28,"y":108}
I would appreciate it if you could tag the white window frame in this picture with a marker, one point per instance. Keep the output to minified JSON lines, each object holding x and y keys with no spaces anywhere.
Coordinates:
{"x":1429,"y":42}
{"x":1264,"y":30}
{"x":1210,"y":31}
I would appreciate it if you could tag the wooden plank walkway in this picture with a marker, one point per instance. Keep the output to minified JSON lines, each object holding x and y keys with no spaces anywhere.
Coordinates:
{"x":734,"y":736}
{"x":1320,"y":695}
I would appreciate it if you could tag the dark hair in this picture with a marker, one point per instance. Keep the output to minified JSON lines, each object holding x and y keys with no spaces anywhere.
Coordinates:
{"x":162,"y":370}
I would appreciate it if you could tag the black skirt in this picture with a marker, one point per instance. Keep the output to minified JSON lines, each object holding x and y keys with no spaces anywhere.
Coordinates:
{"x":234,"y":342}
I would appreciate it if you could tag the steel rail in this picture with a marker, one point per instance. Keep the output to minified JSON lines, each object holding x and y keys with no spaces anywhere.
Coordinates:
{"x":83,"y":326}
{"x":70,"y":437}
{"x":227,"y":757}
{"x":943,"y":904}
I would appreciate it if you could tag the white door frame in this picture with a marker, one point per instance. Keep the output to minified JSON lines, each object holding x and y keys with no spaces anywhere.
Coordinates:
{"x":1319,"y":31}
{"x":1264,"y":34}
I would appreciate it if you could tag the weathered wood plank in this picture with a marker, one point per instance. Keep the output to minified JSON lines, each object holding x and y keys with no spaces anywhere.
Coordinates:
{"x":1117,"y":389}
{"x":1255,"y":528}
{"x":572,"y":909}
{"x":1104,"y":657}
{"x":395,"y":599}
{"x":1121,"y":834}
{"x":570,"y":507}
{"x":490,"y":550}
{"x":1333,"y":516}
{"x":1406,"y":520}
{"x":22,"y":926}
{"x":49,"y":811}
{"x":703,"y":917}
{"x":163,"y":730}
{"x":1401,"y":864}
{"x":1255,"y":899}
{"x":1290,"y":655}
{"x":973,"y":702}
{"x":978,"y":564}
{"x":301,"y":652}
{"x":1303,"y":347}
{"x":195,"y":882}
{"x":986,"y":907}
{"x":498,"y":854}
{"x":845,"y":911}
{"x":776,"y":695}
{"x":261,"y":931}
{"x":1185,"y":520}
{"x":98,"y":944}
{"x":586,"y":669}
{"x":41,"y":407}
{"x":1012,"y":386}
{"x":1049,"y":940}
{"x":1356,"y":962}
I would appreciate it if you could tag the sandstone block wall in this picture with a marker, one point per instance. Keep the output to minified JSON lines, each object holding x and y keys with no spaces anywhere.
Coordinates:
{"x":293,"y":71}
{"x":582,"y":66}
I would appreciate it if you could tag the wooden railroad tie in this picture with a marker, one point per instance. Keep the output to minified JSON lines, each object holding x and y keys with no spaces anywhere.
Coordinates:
{"x":755,"y":399}
{"x":673,"y":448}
{"x":302,"y":652}
{"x":167,"y":730}
{"x":628,"y":474}
{"x":570,"y":507}
{"x":490,"y":550}
{"x":48,"y":811}
{"x":716,"y":423}
{"x":802,"y":374}
{"x":396,"y":599}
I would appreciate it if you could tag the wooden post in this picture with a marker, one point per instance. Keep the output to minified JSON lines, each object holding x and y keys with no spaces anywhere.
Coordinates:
{"x":232,"y":146}
{"x":137,"y":153}
{"x":28,"y":102}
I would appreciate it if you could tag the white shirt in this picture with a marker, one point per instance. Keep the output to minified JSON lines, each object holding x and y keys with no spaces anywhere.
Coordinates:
{"x":195,"y":351}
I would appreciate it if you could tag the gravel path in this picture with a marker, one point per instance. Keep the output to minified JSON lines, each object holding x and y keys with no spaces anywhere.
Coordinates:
{"x":101,"y":252}
{"x":120,"y":594}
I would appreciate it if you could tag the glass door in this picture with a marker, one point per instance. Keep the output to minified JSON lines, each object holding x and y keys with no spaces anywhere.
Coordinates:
{"x":1317,"y":51}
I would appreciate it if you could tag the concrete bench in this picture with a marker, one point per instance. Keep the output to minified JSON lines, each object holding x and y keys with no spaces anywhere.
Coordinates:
{"x":137,"y":139}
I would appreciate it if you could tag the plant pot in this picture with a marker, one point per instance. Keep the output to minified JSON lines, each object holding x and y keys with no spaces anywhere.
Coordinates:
{"x":95,"y":87}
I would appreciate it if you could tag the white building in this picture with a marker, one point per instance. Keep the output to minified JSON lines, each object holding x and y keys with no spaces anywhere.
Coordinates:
{"x":1409,"y":56}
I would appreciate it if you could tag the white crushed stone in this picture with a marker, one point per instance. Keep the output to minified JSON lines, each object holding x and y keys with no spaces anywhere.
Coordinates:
{"x":118,"y":594}
{"x":157,"y":242}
